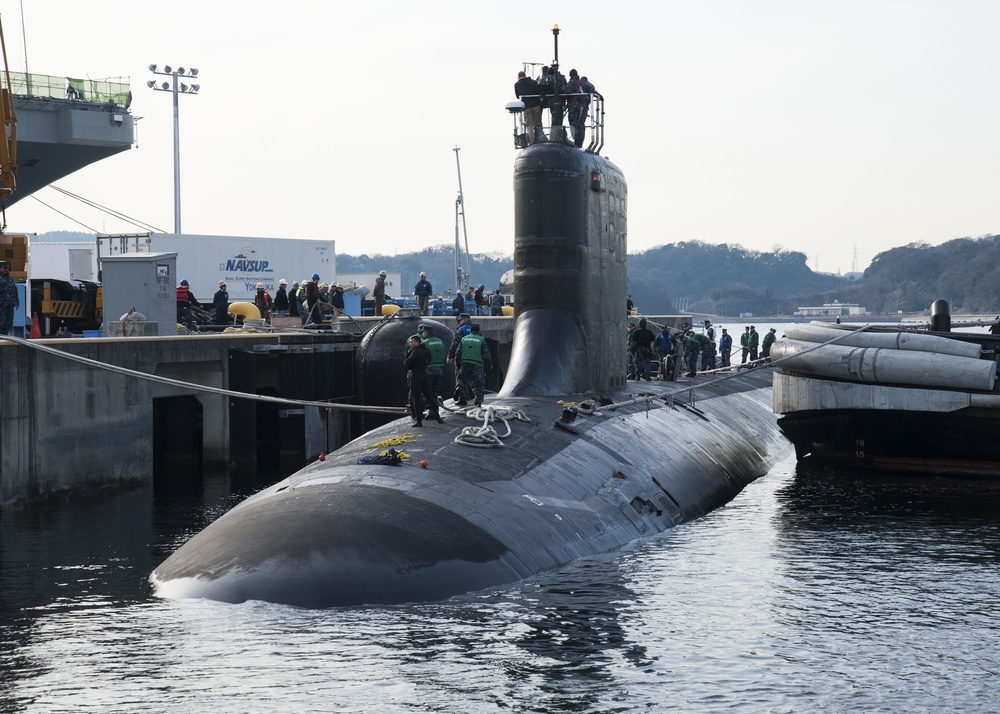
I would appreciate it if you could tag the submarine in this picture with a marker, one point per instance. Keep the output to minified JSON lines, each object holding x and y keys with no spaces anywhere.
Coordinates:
{"x":569,"y":459}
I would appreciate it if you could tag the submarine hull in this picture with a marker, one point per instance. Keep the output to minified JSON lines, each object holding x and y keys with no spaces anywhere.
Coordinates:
{"x":341,"y":533}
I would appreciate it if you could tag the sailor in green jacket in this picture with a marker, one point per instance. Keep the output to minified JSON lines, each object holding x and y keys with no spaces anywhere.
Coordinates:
{"x":435,"y":368}
{"x":691,"y":349}
{"x":769,"y":339}
{"x":474,"y":361}
{"x":753,"y":342}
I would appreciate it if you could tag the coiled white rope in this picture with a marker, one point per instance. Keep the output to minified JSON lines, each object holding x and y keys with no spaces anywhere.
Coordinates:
{"x":485,"y":436}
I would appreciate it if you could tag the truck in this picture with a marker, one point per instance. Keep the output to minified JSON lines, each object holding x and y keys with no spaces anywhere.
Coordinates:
{"x":240,"y":261}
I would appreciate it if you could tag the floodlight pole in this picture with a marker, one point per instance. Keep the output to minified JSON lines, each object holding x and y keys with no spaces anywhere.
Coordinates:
{"x":175,"y":89}
{"x":177,"y":161}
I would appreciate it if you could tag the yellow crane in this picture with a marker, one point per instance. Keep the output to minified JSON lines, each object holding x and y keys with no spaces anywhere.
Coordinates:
{"x":8,"y":147}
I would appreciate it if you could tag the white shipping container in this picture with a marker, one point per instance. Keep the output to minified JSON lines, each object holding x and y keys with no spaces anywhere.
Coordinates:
{"x":240,"y":261}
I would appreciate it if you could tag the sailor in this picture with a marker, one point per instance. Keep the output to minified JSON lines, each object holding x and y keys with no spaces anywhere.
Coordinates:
{"x":526,"y":89}
{"x":474,"y":361}
{"x":435,"y":367}
{"x":263,"y":302}
{"x":312,"y":297}
{"x":293,"y":299}
{"x":753,"y":341}
{"x":496,"y":303}
{"x":378,"y":292}
{"x":574,"y":107}
{"x":769,"y":339}
{"x":464,"y":328}
{"x":337,"y":299}
{"x":725,"y":347}
{"x":416,"y":362}
{"x":281,"y":298}
{"x":588,"y":90}
{"x":642,"y":341}
{"x":423,"y":291}
{"x":691,"y":349}
{"x":9,"y":299}
{"x":664,"y":347}
{"x":221,"y":303}
{"x":300,"y":300}
{"x":707,"y":351}
{"x":184,"y":302}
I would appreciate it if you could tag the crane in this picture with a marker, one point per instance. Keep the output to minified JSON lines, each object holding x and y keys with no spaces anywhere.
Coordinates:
{"x":461,"y":277}
{"x":8,"y":146}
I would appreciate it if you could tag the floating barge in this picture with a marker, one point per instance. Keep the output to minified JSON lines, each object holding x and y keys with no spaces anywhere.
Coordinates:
{"x":891,"y":398}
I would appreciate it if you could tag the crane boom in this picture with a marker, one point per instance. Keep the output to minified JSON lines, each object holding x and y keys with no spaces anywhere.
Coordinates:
{"x":8,"y":146}
{"x":461,"y":277}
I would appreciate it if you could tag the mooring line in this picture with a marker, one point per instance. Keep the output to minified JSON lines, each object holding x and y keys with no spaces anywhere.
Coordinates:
{"x":198,"y":387}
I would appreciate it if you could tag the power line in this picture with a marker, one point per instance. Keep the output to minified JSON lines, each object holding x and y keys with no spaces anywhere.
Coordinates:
{"x":93,"y":204}
{"x":110,"y":211}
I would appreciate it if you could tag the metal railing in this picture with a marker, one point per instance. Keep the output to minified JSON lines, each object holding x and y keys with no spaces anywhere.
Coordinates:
{"x":93,"y":91}
{"x":594,"y":123}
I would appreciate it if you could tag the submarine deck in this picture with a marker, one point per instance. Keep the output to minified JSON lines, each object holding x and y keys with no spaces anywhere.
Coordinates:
{"x":559,"y":489}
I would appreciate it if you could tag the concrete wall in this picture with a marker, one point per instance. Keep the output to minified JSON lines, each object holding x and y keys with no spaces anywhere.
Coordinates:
{"x":66,"y":426}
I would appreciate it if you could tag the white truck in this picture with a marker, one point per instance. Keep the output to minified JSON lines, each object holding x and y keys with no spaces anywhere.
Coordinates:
{"x":241,"y":262}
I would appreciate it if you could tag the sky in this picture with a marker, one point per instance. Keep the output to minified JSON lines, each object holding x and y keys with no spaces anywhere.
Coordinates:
{"x":838,"y":129}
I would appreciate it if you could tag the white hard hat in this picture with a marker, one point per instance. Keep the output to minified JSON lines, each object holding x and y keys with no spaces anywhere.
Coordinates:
{"x":260,"y":286}
{"x":222,"y":283}
{"x":282,"y":282}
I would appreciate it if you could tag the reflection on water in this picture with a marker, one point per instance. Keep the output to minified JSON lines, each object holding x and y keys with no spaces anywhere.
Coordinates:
{"x":815,"y":590}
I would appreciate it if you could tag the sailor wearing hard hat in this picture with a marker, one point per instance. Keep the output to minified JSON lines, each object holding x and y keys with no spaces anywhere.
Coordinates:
{"x":378,"y":292}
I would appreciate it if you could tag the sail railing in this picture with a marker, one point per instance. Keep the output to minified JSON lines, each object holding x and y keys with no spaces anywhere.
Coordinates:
{"x":594,"y":122}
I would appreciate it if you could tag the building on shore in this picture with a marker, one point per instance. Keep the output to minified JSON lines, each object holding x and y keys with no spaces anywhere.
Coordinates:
{"x":832,"y":309}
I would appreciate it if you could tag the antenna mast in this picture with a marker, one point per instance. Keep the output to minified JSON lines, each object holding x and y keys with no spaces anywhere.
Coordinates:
{"x":461,"y":277}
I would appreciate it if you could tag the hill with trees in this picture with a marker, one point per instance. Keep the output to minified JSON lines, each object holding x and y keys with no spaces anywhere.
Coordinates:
{"x":963,"y":271}
{"x":726,"y":279}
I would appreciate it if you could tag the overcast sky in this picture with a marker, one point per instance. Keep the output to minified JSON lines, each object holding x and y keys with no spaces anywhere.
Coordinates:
{"x":839,"y":129}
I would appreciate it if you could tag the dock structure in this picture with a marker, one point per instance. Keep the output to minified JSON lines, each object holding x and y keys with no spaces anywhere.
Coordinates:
{"x":67,"y":426}
{"x":70,"y":426}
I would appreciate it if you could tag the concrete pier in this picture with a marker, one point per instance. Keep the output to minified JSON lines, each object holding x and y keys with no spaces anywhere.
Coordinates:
{"x":67,"y":427}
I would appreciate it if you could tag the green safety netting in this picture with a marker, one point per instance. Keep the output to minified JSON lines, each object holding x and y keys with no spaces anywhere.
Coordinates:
{"x":98,"y":91}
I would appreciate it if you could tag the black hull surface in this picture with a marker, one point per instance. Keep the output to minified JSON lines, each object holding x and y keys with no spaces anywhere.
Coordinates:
{"x":957,"y":442}
{"x":339,"y":533}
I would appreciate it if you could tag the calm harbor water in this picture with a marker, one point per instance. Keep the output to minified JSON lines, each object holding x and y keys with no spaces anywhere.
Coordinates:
{"x":814,"y":590}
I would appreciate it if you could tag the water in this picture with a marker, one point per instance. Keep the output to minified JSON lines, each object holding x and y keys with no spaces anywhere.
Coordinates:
{"x":814,"y":590}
